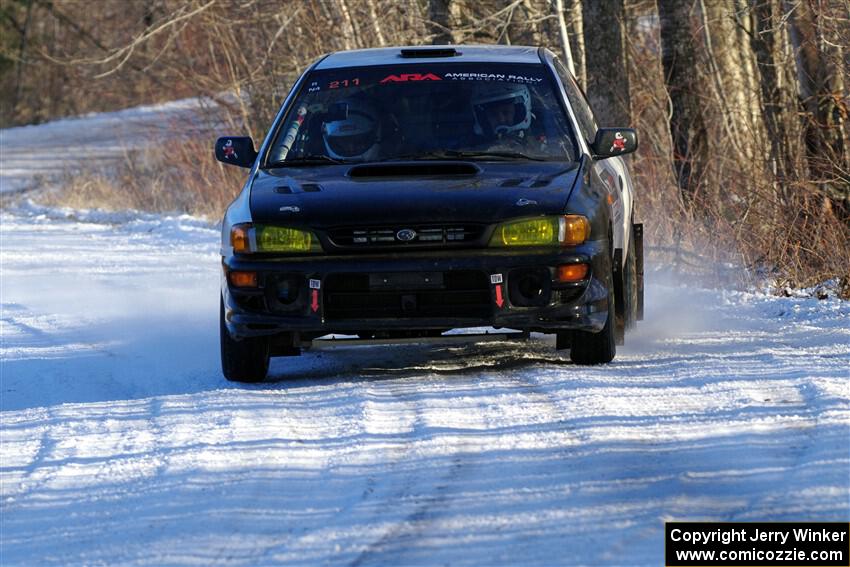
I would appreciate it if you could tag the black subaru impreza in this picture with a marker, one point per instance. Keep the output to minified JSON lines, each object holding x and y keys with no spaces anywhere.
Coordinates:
{"x":406,"y":192}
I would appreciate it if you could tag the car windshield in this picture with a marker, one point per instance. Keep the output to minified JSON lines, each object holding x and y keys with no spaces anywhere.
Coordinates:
{"x":424,"y":111}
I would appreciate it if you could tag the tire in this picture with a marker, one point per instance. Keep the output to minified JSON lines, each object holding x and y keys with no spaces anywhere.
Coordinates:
{"x":242,"y":361}
{"x":596,"y":348}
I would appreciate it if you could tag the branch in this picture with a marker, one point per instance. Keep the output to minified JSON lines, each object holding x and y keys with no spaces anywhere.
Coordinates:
{"x":126,"y":51}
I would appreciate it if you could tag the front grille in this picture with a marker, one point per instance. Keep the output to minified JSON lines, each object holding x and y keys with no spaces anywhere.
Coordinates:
{"x":418,"y":236}
{"x":463,"y":294}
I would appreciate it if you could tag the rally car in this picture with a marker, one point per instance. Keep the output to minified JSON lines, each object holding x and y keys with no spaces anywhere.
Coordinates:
{"x":407,"y":192}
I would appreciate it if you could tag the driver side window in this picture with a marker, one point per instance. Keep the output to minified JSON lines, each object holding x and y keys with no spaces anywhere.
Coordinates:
{"x":584,"y":116}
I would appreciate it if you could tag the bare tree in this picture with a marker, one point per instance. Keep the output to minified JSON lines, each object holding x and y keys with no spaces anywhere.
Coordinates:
{"x":729,"y":60}
{"x":439,"y":21}
{"x":687,"y":125}
{"x":823,"y":95}
{"x":768,"y":40}
{"x":605,"y":61}
{"x":565,"y":38}
{"x":575,"y":30}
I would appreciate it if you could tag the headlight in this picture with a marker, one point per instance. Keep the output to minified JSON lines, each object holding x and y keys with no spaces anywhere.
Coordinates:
{"x":567,"y":230}
{"x":247,"y":239}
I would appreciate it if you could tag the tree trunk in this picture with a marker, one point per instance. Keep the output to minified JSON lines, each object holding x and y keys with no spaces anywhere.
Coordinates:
{"x":767,"y":42}
{"x":575,"y":29}
{"x":22,"y":56}
{"x":732,"y":75}
{"x":821,"y":87}
{"x":687,"y":126}
{"x":376,"y":23}
{"x":352,"y":38}
{"x":605,"y":51}
{"x":565,"y":38}
{"x":439,"y":21}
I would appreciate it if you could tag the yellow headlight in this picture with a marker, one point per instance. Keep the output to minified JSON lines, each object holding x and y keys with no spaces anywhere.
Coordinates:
{"x":247,"y":239}
{"x":282,"y":239}
{"x":568,"y":230}
{"x":533,"y":232}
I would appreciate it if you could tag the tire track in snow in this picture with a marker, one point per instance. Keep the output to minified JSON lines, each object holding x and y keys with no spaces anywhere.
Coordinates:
{"x":436,"y":494}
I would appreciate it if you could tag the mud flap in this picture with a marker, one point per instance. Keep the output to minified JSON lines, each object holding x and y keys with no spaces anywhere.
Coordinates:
{"x":619,"y":299}
{"x":637,"y":231}
{"x":285,"y":344}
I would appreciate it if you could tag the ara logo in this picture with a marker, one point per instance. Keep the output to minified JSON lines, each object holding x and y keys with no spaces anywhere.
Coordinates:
{"x":403,"y":78}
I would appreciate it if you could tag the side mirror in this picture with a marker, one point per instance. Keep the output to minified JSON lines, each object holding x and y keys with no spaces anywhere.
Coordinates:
{"x":234,"y":150}
{"x":612,"y":142}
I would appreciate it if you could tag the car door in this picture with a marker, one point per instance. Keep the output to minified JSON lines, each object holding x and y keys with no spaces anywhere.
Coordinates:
{"x":611,"y":171}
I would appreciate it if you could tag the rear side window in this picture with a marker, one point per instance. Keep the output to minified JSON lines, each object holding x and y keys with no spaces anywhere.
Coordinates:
{"x":584,"y":115}
{"x":419,"y":111}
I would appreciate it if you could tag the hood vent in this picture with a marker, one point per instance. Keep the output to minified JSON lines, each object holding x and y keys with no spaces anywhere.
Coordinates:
{"x":311,"y":188}
{"x":283,"y":190}
{"x":420,"y":52}
{"x":412,"y":169}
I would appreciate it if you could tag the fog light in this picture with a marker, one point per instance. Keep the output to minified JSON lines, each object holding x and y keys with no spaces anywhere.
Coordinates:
{"x":572,"y":272}
{"x":530,"y":287}
{"x":288,"y":289}
{"x":243,"y":279}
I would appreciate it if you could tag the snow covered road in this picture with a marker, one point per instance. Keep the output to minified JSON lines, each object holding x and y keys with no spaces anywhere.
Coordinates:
{"x":122,"y":443}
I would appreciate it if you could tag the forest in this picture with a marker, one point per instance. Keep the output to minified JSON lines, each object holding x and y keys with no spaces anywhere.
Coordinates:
{"x":742,"y":106}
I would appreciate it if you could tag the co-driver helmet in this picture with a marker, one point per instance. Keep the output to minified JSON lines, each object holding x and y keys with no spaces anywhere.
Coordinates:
{"x":356,"y":134}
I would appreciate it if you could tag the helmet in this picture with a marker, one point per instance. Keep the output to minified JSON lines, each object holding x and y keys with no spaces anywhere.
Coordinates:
{"x":501,"y":108}
{"x":354,"y":134}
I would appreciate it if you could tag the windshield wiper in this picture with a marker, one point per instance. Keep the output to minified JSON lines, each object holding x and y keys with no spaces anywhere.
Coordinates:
{"x":463,"y":154}
{"x":317,"y":159}
{"x":497,"y":154}
{"x":439,"y":154}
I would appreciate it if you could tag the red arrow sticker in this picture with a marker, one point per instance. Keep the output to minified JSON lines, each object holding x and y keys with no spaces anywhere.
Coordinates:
{"x":499,"y":300}
{"x":314,"y":305}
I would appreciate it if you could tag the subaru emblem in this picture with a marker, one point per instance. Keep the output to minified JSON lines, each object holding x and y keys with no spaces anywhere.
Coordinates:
{"x":406,"y":234}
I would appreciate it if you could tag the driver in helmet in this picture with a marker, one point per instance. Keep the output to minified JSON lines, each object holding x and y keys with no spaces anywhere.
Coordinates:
{"x":355,"y":133}
{"x":502,"y":112}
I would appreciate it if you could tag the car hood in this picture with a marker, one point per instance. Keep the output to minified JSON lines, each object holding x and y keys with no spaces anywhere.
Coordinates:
{"x":331,"y":196}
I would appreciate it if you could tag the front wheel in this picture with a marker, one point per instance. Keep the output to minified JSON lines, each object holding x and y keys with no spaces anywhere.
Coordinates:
{"x":242,"y":361}
{"x":595,"y":348}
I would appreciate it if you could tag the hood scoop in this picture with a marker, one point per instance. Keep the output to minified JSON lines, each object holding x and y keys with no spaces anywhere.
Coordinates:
{"x":306,"y":188}
{"x":412,"y":169}
{"x":525,"y":183}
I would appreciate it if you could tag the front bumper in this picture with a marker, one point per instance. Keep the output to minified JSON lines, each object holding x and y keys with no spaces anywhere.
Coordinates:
{"x":415,"y":291}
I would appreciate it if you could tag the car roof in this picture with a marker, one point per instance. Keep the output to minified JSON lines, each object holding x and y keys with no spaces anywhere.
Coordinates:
{"x":467,"y":54}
